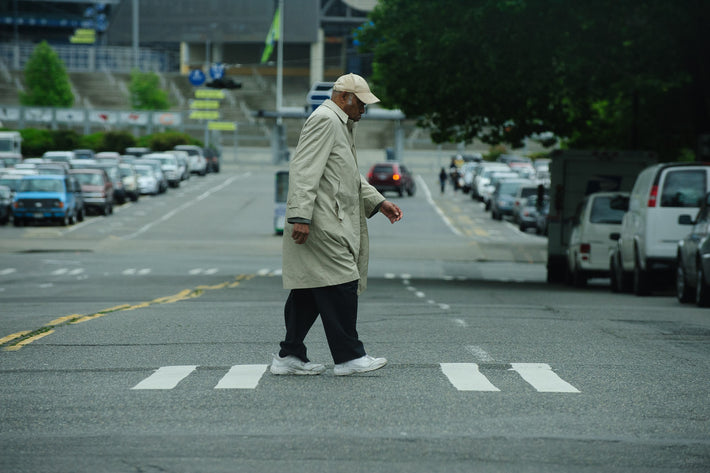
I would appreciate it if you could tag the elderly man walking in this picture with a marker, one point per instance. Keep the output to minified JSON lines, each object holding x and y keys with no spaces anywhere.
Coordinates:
{"x":325,"y":244}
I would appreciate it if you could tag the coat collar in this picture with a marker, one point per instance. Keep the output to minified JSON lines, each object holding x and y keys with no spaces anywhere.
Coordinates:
{"x":338,"y":111}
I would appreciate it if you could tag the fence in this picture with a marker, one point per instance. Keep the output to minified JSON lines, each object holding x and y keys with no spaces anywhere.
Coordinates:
{"x":81,"y":58}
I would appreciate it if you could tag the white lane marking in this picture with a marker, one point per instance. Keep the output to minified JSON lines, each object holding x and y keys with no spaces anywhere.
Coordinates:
{"x":166,"y":377}
{"x":195,"y":271}
{"x":542,"y":378}
{"x":263,"y":272}
{"x":211,"y":271}
{"x":7,"y":271}
{"x":466,"y":377}
{"x":460,"y":322}
{"x":389,"y":275}
{"x":144,"y":271}
{"x":60,"y":271}
{"x":444,"y":306}
{"x":479,"y":353}
{"x":242,"y":377}
{"x":422,"y":185}
{"x":76,"y":271}
{"x":420,"y":294}
{"x":175,"y":211}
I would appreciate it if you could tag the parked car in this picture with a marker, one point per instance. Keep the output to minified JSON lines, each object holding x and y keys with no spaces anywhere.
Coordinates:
{"x":97,"y":189}
{"x":148,"y":182}
{"x":62,"y":156}
{"x":590,"y":240}
{"x":57,"y":167}
{"x":493,"y":179}
{"x":213,"y":158}
{"x":183,"y":163}
{"x":393,"y":177}
{"x":169,"y":166}
{"x":45,"y":198}
{"x":5,"y":204}
{"x":521,"y":196}
{"x":129,"y":176}
{"x":84,"y":154}
{"x":10,"y":180}
{"x":646,"y":249}
{"x":527,"y":213}
{"x":198,"y":163}
{"x":119,"y":192}
{"x":157,"y":170}
{"x":693,"y":258}
{"x":503,"y":197}
{"x":137,"y":151}
{"x":482,"y":176}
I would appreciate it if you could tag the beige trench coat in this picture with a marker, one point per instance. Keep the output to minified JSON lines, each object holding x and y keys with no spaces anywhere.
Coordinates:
{"x":327,"y":190}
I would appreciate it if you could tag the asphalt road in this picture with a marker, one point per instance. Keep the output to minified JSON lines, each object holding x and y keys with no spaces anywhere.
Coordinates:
{"x":147,"y":337}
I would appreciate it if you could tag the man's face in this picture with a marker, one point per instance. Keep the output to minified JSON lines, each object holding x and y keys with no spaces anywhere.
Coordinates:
{"x":353,"y":106}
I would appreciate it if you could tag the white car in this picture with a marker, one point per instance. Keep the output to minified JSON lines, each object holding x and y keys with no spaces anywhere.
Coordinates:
{"x":147,"y":180}
{"x":481,"y":178}
{"x":169,"y":165}
{"x":590,"y":242}
{"x":198,"y":163}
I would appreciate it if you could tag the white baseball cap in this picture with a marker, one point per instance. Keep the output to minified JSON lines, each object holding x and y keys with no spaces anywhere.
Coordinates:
{"x":357,"y":85}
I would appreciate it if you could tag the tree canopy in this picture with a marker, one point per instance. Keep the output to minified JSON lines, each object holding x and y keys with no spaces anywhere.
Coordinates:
{"x":597,"y":73}
{"x":146,"y":93}
{"x":46,"y":79}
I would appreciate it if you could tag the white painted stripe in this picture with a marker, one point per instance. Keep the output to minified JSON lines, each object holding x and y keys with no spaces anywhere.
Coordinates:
{"x":420,"y":294}
{"x":466,"y":377}
{"x":542,"y":378}
{"x":422,"y":185}
{"x":195,"y":271}
{"x":129,"y":271}
{"x":211,"y":271}
{"x":144,"y":271}
{"x":262,"y":272}
{"x":60,"y":271}
{"x":166,"y":377}
{"x":7,"y":271}
{"x":242,"y":377}
{"x":76,"y":271}
{"x":460,"y":322}
{"x":389,"y":276}
{"x":444,"y":306}
{"x":479,"y":353}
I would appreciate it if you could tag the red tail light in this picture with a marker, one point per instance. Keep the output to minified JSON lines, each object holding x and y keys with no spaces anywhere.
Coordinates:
{"x":395,"y":177}
{"x":653,"y":196}
{"x":585,"y":248}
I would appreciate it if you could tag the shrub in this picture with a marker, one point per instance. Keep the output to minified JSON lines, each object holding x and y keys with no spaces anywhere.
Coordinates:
{"x":35,"y":142}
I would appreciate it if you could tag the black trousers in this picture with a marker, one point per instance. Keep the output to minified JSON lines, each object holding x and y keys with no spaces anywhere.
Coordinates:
{"x":337,"y":306}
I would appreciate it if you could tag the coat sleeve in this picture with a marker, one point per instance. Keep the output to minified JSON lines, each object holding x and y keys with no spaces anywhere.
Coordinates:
{"x":372,"y":199}
{"x":306,"y":168}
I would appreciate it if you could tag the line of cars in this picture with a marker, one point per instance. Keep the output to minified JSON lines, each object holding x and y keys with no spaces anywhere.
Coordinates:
{"x":654,"y":236}
{"x":65,"y":186}
{"x":512,"y":187}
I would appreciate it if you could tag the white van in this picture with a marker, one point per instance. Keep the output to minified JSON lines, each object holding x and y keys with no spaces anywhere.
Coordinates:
{"x":590,"y":242}
{"x":648,"y":241}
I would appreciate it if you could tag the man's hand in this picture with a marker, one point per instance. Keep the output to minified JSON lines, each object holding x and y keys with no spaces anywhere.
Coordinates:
{"x":300,"y":233}
{"x":391,"y":211}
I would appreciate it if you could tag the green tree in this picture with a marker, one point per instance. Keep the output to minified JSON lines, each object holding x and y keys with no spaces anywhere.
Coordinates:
{"x":146,"y":93}
{"x":46,"y":80}
{"x":600,"y":73}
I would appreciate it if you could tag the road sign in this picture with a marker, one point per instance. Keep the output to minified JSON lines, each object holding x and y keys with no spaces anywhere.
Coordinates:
{"x":319,"y":93}
{"x":222,"y":126}
{"x":217,"y":70}
{"x":204,"y":115}
{"x":205,"y":104}
{"x":197,"y":77}
{"x":209,"y":94}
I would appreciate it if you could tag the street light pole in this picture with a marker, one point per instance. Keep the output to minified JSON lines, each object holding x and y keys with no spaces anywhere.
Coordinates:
{"x":135,"y":34}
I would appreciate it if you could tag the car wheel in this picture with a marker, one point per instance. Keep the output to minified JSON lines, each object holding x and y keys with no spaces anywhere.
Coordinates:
{"x":105,"y":211}
{"x":702,"y":290}
{"x":81,"y":214}
{"x":683,"y":291}
{"x":641,"y":282}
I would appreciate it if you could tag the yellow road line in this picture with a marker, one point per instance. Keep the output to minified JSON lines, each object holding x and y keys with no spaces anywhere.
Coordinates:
{"x":79,"y":318}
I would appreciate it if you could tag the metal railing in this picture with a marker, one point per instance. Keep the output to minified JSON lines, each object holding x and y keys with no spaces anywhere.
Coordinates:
{"x":82,"y":58}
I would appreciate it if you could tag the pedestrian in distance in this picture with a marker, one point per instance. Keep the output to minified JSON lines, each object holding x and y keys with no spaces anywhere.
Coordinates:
{"x":442,"y":179}
{"x":325,"y":243}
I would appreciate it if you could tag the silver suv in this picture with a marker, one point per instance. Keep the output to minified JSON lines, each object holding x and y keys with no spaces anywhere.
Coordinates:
{"x":647,"y":243}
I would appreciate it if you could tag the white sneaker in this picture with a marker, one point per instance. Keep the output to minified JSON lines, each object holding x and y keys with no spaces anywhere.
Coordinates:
{"x":359,"y":365}
{"x":292,"y":365}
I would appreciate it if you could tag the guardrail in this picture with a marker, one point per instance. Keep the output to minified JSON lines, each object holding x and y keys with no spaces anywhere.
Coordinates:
{"x":80,"y":58}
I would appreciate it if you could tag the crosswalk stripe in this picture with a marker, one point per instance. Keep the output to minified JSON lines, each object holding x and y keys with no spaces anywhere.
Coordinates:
{"x":242,"y":377}
{"x":467,"y":377}
{"x":542,"y":378}
{"x":166,"y":377}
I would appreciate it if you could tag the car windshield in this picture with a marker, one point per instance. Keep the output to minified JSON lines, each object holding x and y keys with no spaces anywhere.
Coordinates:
{"x":683,"y":188}
{"x":41,"y":185}
{"x":144,"y":171}
{"x":90,"y":179}
{"x":603,"y":213}
{"x":382,"y":169}
{"x":509,"y":188}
